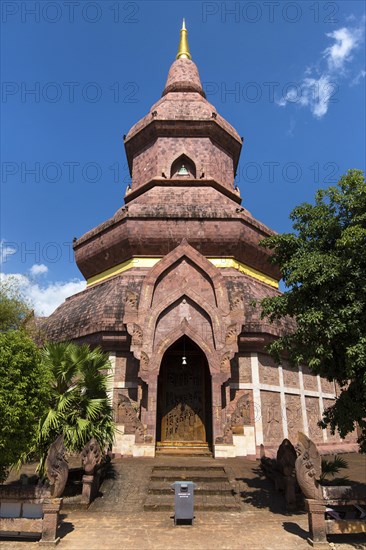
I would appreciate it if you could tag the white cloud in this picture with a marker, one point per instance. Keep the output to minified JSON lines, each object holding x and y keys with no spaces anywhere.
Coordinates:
{"x":320,"y":82}
{"x":315,"y":93}
{"x":38,"y":269}
{"x":45,"y":298}
{"x":358,"y":77}
{"x":346,"y":40}
{"x":290,"y":131}
{"x":6,"y":250}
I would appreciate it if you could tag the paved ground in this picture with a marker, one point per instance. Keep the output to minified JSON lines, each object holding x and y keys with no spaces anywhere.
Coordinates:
{"x":116,"y":520}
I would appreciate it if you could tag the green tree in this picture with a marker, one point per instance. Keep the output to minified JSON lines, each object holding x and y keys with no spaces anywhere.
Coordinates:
{"x":323,"y":265}
{"x":330,"y":469}
{"x":79,"y":406}
{"x":14,"y":309}
{"x":23,"y":396}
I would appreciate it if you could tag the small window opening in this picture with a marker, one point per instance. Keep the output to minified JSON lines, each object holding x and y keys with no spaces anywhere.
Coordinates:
{"x":183,"y":167}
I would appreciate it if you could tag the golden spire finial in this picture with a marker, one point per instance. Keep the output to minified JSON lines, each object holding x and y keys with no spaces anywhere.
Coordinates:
{"x":183,"y":49}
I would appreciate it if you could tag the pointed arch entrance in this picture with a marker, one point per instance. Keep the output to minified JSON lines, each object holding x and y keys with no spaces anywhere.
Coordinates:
{"x":184,"y":404}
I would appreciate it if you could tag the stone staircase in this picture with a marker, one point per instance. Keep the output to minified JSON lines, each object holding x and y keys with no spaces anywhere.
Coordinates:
{"x":213,"y":491}
{"x":199,"y":449}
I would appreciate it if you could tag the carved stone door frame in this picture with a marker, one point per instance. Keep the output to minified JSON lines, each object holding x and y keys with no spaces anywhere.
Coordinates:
{"x":184,"y":404}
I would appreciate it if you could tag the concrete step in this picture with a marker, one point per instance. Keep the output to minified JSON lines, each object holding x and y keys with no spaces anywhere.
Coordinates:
{"x":172,"y":476}
{"x":171,"y":453}
{"x":195,"y":449}
{"x":185,"y":467}
{"x":203,"y":488}
{"x":207,"y":503}
{"x":213,"y":492}
{"x":183,"y":452}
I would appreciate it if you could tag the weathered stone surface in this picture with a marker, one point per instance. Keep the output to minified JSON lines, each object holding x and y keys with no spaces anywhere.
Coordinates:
{"x":308,"y":467}
{"x":271,"y":417}
{"x":313,"y":414}
{"x":290,"y":375}
{"x":245,"y":370}
{"x":294,"y":416}
{"x":57,"y":468}
{"x":310,"y":381}
{"x":91,"y":456}
{"x":127,"y":415}
{"x":282,"y":471}
{"x":327,"y":387}
{"x":242,"y":412}
{"x":268,"y":372}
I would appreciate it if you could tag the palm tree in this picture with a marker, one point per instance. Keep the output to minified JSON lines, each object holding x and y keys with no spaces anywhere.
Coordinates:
{"x":79,"y":404}
{"x":330,"y":468}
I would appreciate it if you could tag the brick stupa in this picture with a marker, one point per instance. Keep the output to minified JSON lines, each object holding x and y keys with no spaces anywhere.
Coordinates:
{"x":171,"y":279}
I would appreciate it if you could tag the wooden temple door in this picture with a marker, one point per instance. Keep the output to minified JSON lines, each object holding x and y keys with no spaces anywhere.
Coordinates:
{"x":183,"y":399}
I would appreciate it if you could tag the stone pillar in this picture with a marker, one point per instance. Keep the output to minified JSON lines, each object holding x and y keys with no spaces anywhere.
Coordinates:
{"x":321,"y":406}
{"x":283,"y":402}
{"x":217,"y":430}
{"x":316,"y":517}
{"x":88,"y":489}
{"x":110,"y":390}
{"x":256,"y":400}
{"x":151,"y":407}
{"x":305,"y":424}
{"x":143,"y":410}
{"x":51,"y":508}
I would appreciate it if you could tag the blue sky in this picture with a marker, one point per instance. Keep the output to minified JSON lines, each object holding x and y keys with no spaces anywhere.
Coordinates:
{"x":290,"y":77}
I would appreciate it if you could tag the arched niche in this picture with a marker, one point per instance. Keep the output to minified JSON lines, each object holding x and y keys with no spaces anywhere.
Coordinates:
{"x":183,"y":167}
{"x":186,"y":307}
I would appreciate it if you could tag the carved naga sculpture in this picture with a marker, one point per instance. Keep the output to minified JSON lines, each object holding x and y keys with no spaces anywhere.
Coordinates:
{"x":286,"y":457}
{"x":91,"y":456}
{"x":308,"y":467}
{"x":57,"y":468}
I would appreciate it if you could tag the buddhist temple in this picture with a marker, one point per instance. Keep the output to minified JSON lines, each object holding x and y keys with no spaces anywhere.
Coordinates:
{"x":172,"y":278}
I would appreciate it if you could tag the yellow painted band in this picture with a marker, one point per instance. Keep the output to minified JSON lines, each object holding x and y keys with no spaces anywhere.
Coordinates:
{"x":150,"y":262}
{"x":231,"y":262}
{"x":120,"y":268}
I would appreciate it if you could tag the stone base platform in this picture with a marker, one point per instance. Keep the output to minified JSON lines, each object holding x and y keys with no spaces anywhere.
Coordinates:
{"x":213,"y":491}
{"x":116,"y":519}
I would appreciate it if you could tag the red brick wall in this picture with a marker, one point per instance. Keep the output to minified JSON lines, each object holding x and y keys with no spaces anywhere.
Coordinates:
{"x":159,"y":156}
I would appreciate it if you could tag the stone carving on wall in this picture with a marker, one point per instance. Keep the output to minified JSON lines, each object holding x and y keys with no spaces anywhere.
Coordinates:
{"x":271,"y":416}
{"x":310,"y":381}
{"x":308,"y":467}
{"x":131,"y":299}
{"x":241,"y":414}
{"x":231,"y":334}
{"x":91,"y":456}
{"x":155,"y":319}
{"x":268,"y":370}
{"x":227,"y":437}
{"x":290,"y":376}
{"x":57,"y":468}
{"x":237,"y":301}
{"x":313,"y":414}
{"x":136,"y":334}
{"x":245,"y":369}
{"x":144,"y":362}
{"x":294,"y":415}
{"x":127,"y":415}
{"x":225,"y":362}
{"x":331,"y":437}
